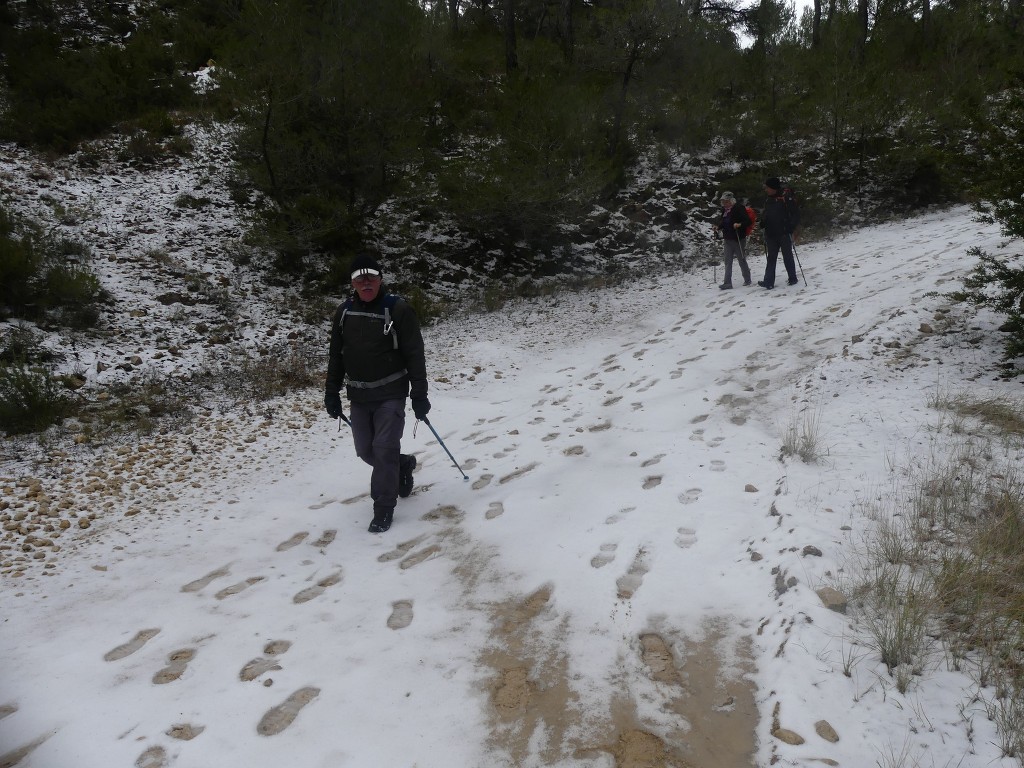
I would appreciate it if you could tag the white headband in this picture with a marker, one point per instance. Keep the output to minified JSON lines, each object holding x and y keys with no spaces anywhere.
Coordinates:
{"x":361,"y":272}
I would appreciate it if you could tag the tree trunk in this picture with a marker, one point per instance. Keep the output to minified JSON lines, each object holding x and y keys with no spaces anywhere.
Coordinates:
{"x":566,"y":31}
{"x":862,"y":17}
{"x":453,"y":16}
{"x":511,"y":57}
{"x":620,"y":107}
{"x":816,"y":25}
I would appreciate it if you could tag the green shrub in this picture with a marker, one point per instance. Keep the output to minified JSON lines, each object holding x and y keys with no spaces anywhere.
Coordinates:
{"x":58,"y":96}
{"x":43,"y":278}
{"x":30,"y":400}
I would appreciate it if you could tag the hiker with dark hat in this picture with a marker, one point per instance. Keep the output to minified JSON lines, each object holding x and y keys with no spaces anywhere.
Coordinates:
{"x":779,"y":220}
{"x":734,"y":222}
{"x":377,"y":351}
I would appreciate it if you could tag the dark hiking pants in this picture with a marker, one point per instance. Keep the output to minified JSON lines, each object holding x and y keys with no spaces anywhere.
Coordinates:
{"x":772,"y":246}
{"x":377,"y":433}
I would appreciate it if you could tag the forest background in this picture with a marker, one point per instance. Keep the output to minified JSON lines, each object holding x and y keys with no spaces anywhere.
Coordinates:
{"x":363,"y":124}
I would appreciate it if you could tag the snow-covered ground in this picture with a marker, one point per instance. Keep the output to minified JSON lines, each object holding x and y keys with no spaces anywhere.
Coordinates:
{"x":628,"y":577}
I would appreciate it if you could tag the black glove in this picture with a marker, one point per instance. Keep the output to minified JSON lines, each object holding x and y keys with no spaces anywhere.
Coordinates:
{"x":421,"y":407}
{"x":332,"y":402}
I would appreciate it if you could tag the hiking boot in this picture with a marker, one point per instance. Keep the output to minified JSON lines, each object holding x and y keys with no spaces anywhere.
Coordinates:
{"x":763,"y":284}
{"x":725,"y":286}
{"x":381,"y":520}
{"x":746,"y":283}
{"x":406,"y":464}
{"x":794,"y":281}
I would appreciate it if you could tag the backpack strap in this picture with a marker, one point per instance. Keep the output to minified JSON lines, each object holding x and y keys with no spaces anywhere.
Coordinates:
{"x":389,"y":302}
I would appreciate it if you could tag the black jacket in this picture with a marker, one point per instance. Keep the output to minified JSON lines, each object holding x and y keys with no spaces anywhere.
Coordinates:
{"x":376,"y":362}
{"x":781,"y":214}
{"x":738,"y":213}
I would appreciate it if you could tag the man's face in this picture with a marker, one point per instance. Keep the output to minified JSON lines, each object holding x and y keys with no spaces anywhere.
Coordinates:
{"x":727,"y":203}
{"x":366,"y":287}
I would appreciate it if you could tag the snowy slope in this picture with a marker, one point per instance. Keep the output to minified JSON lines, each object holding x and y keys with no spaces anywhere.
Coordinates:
{"x":621,"y":581}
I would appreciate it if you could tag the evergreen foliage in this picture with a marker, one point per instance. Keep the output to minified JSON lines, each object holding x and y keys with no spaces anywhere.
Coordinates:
{"x":508,"y":119}
{"x":45,"y":278}
{"x":998,"y":280}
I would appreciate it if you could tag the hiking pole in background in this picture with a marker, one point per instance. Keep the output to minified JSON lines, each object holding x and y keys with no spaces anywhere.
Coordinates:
{"x":792,"y":244}
{"x":439,"y":440}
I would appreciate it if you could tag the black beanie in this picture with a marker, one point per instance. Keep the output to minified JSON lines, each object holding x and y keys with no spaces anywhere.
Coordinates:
{"x":772,"y":182}
{"x":365,"y":264}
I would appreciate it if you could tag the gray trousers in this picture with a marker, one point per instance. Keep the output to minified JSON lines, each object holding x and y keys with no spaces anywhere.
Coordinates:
{"x":377,"y":433}
{"x":734,"y":249}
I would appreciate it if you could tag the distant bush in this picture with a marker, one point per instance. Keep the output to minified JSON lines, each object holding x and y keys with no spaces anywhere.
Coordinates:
{"x":30,"y":400}
{"x":58,"y":96}
{"x":43,"y":278}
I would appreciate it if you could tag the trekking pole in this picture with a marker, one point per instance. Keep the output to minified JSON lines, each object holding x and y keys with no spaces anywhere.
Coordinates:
{"x":341,"y":418}
{"x":427,"y":422}
{"x":792,"y":244}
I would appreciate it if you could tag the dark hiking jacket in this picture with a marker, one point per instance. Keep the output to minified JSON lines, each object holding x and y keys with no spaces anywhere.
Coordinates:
{"x":376,"y":350}
{"x":738,"y":213}
{"x":781,"y":214}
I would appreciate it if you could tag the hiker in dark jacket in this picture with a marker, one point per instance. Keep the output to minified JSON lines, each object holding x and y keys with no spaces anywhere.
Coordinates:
{"x":734,"y":222}
{"x":779,"y":220}
{"x":377,"y":351}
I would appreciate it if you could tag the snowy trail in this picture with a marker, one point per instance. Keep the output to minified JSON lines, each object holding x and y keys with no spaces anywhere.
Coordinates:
{"x":623,"y":577}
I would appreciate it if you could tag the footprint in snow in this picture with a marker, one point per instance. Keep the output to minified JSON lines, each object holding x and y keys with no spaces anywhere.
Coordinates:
{"x":612,"y":519}
{"x":687,"y":538}
{"x":496,"y":509}
{"x":698,"y":419}
{"x":689,"y":496}
{"x":198,"y":584}
{"x":652,"y":481}
{"x":184,"y":731}
{"x":317,"y":589}
{"x":605,"y":556}
{"x":322,"y":504}
{"x":234,"y":589}
{"x":154,"y":757}
{"x":518,"y":473}
{"x":482,"y":482}
{"x":401,"y":550}
{"x":653,"y":460}
{"x":178,"y":662}
{"x":280,"y":717}
{"x":549,"y":437}
{"x":295,"y":540}
{"x":142,"y":637}
{"x":418,"y":557}
{"x":326,"y":538}
{"x":697,"y":435}
{"x":401,"y":614}
{"x":629,"y":582}
{"x":717,"y":465}
{"x":574,"y":450}
{"x":261,"y":664}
